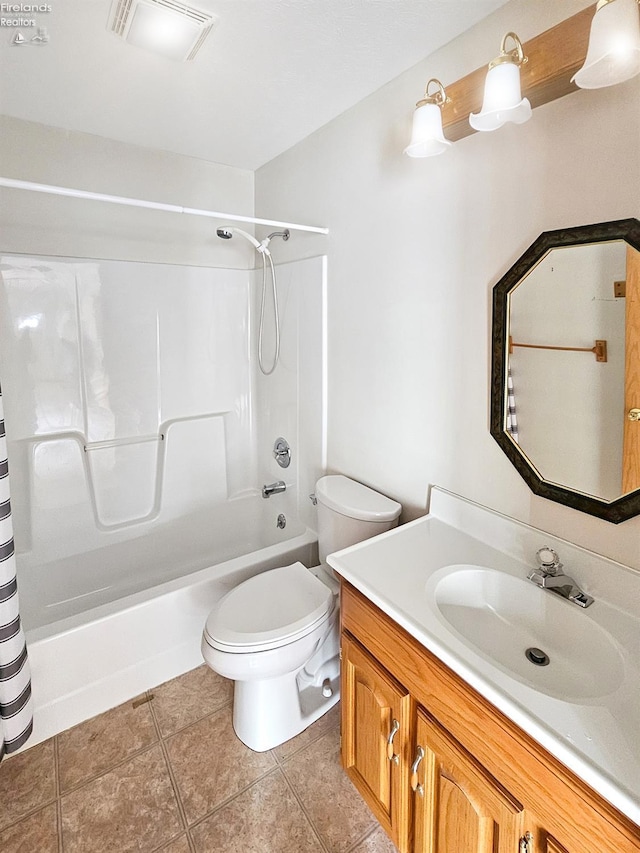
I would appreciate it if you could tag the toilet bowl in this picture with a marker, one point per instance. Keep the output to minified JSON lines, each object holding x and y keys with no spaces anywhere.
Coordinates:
{"x":265,"y":635}
{"x":277,"y":634}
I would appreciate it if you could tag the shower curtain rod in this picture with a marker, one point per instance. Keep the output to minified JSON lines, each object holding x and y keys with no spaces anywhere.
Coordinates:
{"x":154,"y":205}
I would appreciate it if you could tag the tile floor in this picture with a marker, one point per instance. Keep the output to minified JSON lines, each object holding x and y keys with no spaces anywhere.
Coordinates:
{"x":170,"y":775}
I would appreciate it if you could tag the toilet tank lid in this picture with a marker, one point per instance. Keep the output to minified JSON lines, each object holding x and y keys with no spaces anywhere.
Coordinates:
{"x":354,"y":500}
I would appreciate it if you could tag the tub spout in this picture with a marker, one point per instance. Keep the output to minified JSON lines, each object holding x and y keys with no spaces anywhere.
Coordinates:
{"x":273,"y":488}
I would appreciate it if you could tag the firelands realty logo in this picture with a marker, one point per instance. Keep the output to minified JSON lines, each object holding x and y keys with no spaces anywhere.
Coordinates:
{"x":21,"y":16}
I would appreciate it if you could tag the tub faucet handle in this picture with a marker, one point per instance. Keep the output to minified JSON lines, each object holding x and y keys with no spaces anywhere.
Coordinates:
{"x":282,"y":452}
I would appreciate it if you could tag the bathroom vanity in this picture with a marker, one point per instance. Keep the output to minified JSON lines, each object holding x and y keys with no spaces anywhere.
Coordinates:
{"x":454,"y":738}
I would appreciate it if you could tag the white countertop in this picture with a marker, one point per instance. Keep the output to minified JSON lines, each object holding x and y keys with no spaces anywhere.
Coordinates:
{"x":598,"y":737}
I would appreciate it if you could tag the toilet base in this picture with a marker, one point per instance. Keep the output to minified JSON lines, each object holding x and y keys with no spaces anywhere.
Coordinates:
{"x":270,"y":711}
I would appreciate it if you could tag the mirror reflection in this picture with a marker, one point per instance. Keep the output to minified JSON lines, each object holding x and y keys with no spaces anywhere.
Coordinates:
{"x":567,"y":401}
{"x":566,"y":371}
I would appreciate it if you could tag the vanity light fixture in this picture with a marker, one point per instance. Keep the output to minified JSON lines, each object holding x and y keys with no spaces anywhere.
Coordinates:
{"x":613,"y":55}
{"x":427,"y":138}
{"x":171,"y":28}
{"x":503,"y":101}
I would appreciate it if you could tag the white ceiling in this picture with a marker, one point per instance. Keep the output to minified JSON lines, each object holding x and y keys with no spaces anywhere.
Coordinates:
{"x":271,"y":72}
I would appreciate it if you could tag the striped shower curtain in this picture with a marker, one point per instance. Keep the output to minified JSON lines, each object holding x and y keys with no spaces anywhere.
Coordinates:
{"x":16,"y":713}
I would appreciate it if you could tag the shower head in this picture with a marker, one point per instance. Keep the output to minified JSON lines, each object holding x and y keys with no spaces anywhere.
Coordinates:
{"x":227,"y":233}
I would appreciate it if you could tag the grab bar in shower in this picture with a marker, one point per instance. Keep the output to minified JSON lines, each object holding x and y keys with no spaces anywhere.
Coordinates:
{"x":120,"y":442}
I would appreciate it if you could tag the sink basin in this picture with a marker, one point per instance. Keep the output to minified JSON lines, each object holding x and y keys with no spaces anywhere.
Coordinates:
{"x":502,"y":616}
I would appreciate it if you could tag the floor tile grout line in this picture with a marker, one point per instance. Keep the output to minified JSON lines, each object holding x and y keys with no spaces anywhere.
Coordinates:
{"x":281,"y":761}
{"x":111,"y":768}
{"x":119,"y":762}
{"x":166,"y":844}
{"x":230,"y":799}
{"x":191,"y":842}
{"x":192,"y":722}
{"x":298,"y":799}
{"x":159,"y":739}
{"x":59,"y":822}
{"x":150,"y":697}
{"x":174,"y":786}
{"x":172,"y":778}
{"x":294,"y":789}
{"x":56,"y":764}
{"x":50,"y":802}
{"x":163,"y":743}
{"x":364,"y":836}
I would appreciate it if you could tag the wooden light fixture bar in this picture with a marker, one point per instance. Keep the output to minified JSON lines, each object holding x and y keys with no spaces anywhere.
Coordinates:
{"x":553,"y":58}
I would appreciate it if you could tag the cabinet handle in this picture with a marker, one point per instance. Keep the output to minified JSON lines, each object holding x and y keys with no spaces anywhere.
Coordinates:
{"x":526,"y":845}
{"x":391,"y":755}
{"x":415,"y":785}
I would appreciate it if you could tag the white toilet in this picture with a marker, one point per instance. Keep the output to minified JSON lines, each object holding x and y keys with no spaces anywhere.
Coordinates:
{"x":277,"y":635}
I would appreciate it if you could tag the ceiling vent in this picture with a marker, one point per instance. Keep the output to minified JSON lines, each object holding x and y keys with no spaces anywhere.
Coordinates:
{"x":173,"y":29}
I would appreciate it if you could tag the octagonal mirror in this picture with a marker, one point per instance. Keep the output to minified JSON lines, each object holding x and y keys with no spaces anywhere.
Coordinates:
{"x":565,"y":389}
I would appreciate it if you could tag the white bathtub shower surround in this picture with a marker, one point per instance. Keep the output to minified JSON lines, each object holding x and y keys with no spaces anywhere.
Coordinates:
{"x":134,"y":426}
{"x":128,"y":395}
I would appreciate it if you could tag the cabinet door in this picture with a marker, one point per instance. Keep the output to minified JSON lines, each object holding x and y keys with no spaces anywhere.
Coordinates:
{"x":375,"y":739}
{"x":550,"y":845}
{"x":458,"y":806}
{"x":542,"y":842}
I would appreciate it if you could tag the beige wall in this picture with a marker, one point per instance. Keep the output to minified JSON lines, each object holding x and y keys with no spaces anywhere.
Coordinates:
{"x":52,"y":225}
{"x":414,"y":251}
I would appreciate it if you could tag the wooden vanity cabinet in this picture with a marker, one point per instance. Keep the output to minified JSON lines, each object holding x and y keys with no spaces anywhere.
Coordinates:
{"x":457,"y":776}
{"x":375,"y":739}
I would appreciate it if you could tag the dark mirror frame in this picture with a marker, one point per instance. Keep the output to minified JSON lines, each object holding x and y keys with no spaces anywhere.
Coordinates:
{"x":628,"y":230}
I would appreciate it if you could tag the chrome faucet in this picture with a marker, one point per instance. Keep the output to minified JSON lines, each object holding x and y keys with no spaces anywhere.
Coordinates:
{"x":273,"y":488}
{"x":549,"y":575}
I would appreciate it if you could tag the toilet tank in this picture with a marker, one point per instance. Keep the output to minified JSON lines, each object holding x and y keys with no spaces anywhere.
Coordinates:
{"x":349,"y":512}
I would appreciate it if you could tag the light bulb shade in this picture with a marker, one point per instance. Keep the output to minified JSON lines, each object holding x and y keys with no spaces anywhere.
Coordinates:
{"x":503,"y":101}
{"x":427,"y":138}
{"x":613,"y":55}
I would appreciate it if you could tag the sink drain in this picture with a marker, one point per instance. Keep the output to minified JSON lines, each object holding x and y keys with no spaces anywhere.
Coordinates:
{"x":537,"y":656}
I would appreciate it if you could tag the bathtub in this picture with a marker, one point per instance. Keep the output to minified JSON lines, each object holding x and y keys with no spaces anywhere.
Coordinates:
{"x":95,"y":658}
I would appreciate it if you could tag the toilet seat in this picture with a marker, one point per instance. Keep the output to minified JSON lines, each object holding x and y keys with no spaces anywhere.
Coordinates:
{"x":270,"y":610}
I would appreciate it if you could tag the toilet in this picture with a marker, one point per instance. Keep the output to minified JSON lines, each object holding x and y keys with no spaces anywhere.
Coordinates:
{"x":277,"y":634}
